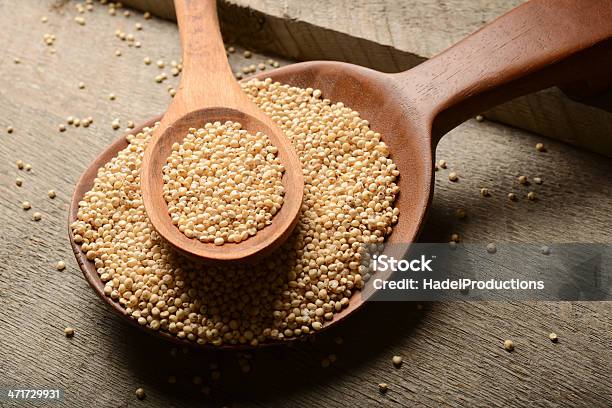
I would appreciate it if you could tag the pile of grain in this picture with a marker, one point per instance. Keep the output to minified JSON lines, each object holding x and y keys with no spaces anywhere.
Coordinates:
{"x":348,"y":202}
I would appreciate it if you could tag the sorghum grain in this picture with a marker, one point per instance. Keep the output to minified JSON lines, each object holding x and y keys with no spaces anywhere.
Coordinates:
{"x":222,"y":183}
{"x":349,"y":191}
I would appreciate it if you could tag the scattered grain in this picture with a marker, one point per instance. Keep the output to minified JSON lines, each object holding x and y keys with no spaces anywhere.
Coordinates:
{"x":523,"y":180}
{"x":508,"y":345}
{"x":51,"y":194}
{"x":36,"y":216}
{"x":19,"y":182}
{"x":485,"y":192}
{"x":69,"y":332}
{"x":140,"y":393}
{"x":553,"y":337}
{"x":247,"y":54}
{"x":383,"y":387}
{"x":479,"y":118}
{"x":531,"y":196}
{"x":452,"y":176}
{"x":9,"y":129}
{"x":397,"y":361}
{"x":49,"y":39}
{"x":512,"y":197}
{"x":26,"y":205}
{"x":60,"y":265}
{"x":545,"y":250}
{"x":460,"y":213}
{"x":540,"y":147}
{"x":491,"y":248}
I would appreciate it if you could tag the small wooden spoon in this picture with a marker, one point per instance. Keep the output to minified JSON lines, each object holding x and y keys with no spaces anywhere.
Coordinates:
{"x":207,"y":93}
{"x":537,"y":45}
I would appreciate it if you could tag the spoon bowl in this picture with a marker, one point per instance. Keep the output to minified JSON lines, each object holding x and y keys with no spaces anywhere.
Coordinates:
{"x":414,"y":109}
{"x":254,"y":248}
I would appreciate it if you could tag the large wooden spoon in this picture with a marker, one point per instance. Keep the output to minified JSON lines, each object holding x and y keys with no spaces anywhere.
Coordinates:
{"x":208,"y":92}
{"x":537,"y":45}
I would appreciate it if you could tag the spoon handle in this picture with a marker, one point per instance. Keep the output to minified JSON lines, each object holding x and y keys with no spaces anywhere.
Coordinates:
{"x":537,"y":45}
{"x":207,"y":77}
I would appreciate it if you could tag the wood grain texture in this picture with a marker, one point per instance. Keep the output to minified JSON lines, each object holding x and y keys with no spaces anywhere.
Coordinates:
{"x":392,"y":36}
{"x":452,"y":352}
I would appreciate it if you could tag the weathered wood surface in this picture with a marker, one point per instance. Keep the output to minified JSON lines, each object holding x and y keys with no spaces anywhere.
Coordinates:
{"x":394,"y":35}
{"x":452,"y":352}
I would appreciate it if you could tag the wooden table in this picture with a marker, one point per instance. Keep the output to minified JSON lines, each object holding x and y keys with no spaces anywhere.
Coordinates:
{"x":453,"y":354}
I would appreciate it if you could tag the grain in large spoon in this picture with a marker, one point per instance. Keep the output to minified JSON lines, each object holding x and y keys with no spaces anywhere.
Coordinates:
{"x":207,"y":93}
{"x":537,"y":45}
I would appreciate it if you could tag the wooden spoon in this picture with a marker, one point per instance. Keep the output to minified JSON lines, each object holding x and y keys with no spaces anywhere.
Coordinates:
{"x":207,"y":93}
{"x":537,"y":45}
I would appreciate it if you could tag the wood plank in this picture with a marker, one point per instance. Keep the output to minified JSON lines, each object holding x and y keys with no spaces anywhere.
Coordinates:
{"x":394,"y":35}
{"x":452,"y":351}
